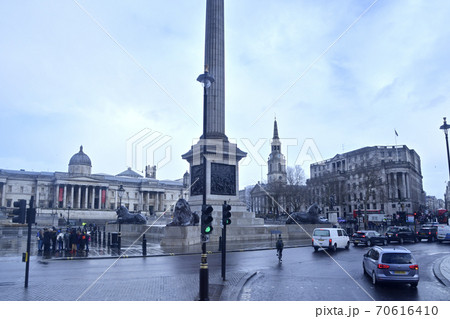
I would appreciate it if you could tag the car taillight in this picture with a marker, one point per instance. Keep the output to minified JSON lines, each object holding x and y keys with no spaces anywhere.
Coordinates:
{"x":396,"y":235}
{"x":429,"y":233}
{"x":313,"y":241}
{"x":363,"y":236}
{"x":329,"y":241}
{"x":415,"y":267}
{"x":383,"y":266}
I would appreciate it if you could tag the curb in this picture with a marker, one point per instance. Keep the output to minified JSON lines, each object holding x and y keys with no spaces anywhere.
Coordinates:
{"x":437,"y":271}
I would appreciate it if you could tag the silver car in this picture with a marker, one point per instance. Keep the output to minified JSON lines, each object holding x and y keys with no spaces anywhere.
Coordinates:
{"x":393,"y":264}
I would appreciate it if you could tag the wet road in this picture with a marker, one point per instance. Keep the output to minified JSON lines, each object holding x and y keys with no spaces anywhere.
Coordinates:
{"x":308,"y":276}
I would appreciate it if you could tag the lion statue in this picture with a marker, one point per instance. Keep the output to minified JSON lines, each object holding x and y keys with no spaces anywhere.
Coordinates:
{"x":311,"y":216}
{"x":125,"y":217}
{"x":183,"y":216}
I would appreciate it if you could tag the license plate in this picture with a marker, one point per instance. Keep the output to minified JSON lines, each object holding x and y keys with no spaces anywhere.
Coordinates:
{"x":321,"y":239}
{"x":356,"y":241}
{"x":399,"y":272}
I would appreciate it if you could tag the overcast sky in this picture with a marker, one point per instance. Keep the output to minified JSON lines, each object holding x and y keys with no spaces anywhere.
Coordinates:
{"x":338,"y":76}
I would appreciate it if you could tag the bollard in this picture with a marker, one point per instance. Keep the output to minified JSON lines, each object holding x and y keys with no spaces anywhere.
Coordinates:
{"x":144,"y":246}
{"x":220,"y":243}
{"x":109,"y":239}
{"x":104,"y":238}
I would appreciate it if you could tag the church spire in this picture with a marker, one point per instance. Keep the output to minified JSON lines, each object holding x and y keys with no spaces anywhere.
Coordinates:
{"x":275,"y":129}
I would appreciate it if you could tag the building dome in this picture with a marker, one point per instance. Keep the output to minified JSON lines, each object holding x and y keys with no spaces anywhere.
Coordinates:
{"x":80,"y":158}
{"x":80,"y":164}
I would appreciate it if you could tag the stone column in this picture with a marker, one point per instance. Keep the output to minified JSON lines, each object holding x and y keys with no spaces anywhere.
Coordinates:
{"x":36,"y":203}
{"x":65,"y":196}
{"x":116,"y":201}
{"x":93,"y":198}
{"x":157,"y":202}
{"x":215,"y":59}
{"x":71,"y":196}
{"x":86,"y":195}
{"x":56,"y":196}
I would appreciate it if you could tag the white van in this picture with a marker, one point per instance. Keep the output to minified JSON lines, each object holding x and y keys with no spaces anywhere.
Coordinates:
{"x":330,"y":238}
{"x":443,"y":233}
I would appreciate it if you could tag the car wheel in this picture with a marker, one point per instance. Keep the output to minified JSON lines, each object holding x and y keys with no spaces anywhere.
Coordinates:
{"x":334,"y":247}
{"x":414,"y":284}
{"x":433,"y":239}
{"x":401,"y":241}
{"x":374,"y":279}
{"x":316,"y":248}
{"x":385,"y":242}
{"x":355,"y":244}
{"x":348,"y":245}
{"x":369,"y":243}
{"x":364,"y":270}
{"x":416,"y":240}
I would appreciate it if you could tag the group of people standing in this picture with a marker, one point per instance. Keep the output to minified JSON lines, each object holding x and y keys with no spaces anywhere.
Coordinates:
{"x":72,"y":240}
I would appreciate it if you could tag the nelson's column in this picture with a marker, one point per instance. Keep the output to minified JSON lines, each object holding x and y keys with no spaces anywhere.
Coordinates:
{"x":221,"y":175}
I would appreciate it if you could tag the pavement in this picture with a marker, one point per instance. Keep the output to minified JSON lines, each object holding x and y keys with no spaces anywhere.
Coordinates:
{"x":166,"y":288}
{"x":219,"y":290}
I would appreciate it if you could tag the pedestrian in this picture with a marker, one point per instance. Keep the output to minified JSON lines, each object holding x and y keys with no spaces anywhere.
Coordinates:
{"x":280,"y":246}
{"x":60,"y":240}
{"x":67,"y":240}
{"x":73,"y":241}
{"x":40,"y":238}
{"x":88,"y":238}
{"x":47,"y":240}
{"x":53,"y":237}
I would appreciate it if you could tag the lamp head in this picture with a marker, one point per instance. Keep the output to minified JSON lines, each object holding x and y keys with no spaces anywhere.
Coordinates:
{"x":445,"y":127}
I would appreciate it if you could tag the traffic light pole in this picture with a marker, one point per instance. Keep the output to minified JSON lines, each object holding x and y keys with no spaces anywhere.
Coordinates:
{"x":27,"y":256}
{"x":204,"y":273}
{"x":224,"y":246}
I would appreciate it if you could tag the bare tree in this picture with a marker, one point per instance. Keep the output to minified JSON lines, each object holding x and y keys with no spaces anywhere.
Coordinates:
{"x":295,"y":175}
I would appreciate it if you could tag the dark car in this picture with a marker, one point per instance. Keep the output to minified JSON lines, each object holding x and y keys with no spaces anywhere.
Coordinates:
{"x":401,"y":234}
{"x":368,"y":238}
{"x":427,"y":232}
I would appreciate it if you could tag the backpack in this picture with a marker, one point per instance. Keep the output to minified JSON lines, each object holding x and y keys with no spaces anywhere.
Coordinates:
{"x":280,"y":244}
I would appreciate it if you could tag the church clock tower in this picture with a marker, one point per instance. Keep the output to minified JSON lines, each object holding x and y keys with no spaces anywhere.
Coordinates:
{"x":277,"y":161}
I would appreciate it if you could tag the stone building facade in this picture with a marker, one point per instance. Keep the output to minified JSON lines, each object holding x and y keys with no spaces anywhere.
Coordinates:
{"x":383,"y":179}
{"x":79,"y":189}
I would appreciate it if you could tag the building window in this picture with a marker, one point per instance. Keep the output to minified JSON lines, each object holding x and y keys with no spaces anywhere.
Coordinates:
{"x":8,"y":202}
{"x":21,"y":189}
{"x":10,"y":189}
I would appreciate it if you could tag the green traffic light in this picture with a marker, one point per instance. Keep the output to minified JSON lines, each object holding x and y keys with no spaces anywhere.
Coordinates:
{"x":208,"y":229}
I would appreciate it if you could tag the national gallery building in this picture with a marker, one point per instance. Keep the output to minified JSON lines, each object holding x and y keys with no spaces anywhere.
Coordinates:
{"x":78,"y":189}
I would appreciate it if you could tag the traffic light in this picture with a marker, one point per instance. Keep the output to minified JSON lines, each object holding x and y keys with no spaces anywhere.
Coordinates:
{"x":31,"y":215}
{"x":226,"y":214}
{"x":207,"y":219}
{"x":20,"y":212}
{"x":31,"y":212}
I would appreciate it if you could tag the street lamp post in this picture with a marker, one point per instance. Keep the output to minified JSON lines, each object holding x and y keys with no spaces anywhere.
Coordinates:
{"x":206,"y":79}
{"x":68,"y":213}
{"x":120,"y":192}
{"x":445,"y":128}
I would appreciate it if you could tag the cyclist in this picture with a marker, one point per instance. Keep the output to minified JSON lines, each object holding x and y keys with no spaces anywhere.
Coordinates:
{"x":279,"y":246}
